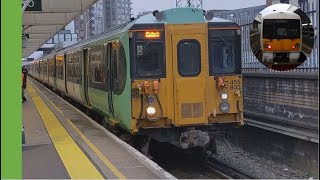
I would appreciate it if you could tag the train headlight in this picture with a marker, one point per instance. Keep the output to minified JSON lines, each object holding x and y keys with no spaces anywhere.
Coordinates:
{"x":151,"y":111}
{"x":224,"y":96}
{"x":224,"y":107}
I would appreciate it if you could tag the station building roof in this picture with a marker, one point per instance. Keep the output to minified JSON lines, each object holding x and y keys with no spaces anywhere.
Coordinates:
{"x":42,"y":19}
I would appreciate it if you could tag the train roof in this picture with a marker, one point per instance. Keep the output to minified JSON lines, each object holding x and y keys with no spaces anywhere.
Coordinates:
{"x":281,"y":15}
{"x":179,"y":16}
{"x":170,"y":16}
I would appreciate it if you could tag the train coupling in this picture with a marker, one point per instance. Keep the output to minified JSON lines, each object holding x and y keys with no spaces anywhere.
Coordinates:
{"x":194,"y":138}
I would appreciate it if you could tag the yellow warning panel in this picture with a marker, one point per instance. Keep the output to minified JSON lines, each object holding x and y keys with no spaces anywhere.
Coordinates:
{"x":76,"y":162}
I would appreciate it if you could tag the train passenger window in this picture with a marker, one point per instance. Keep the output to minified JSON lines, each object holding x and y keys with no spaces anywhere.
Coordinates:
{"x":77,"y":71}
{"x":51,"y":67}
{"x":59,"y":66}
{"x":120,"y":69}
{"x":73,"y":71}
{"x":97,"y":69}
{"x":45,"y":68}
{"x":189,"y":57}
{"x":224,"y":52}
{"x":69,"y":69}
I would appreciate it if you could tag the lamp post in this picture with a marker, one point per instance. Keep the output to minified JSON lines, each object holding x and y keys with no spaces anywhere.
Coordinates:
{"x":88,"y":23}
{"x":87,"y":26}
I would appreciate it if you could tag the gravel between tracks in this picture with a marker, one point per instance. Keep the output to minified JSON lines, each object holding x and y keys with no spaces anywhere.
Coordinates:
{"x":257,"y":166}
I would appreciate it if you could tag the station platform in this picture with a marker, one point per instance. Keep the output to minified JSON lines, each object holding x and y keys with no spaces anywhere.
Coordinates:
{"x":63,"y":143}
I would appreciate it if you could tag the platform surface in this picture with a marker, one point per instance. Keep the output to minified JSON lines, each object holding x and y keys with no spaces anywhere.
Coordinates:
{"x":63,"y":143}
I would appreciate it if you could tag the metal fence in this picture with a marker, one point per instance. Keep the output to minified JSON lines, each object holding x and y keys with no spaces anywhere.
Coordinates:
{"x":251,"y":63}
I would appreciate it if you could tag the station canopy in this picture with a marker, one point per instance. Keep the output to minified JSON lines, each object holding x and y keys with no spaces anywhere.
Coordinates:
{"x":42,"y":19}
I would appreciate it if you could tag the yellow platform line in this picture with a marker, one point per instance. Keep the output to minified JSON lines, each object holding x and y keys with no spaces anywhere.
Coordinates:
{"x":54,"y":105}
{"x":75,"y":161}
{"x":98,"y":152}
{"x":88,"y":142}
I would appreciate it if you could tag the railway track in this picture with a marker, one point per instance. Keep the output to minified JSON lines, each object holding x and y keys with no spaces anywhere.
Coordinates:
{"x":226,"y":171}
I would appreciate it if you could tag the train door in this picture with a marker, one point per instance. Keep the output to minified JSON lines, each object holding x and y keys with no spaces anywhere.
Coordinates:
{"x":189,"y":72}
{"x":85,"y":75}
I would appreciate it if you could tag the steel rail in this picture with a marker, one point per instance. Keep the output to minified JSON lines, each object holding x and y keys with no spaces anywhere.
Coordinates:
{"x":225,"y":170}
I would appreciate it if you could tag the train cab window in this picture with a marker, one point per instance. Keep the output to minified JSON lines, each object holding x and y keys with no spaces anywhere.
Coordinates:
{"x":189,"y":57}
{"x":224,"y":52}
{"x":148,"y":54}
{"x":281,"y":28}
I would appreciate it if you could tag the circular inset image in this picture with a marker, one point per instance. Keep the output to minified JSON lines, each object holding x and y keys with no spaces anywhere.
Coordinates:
{"x":281,"y":37}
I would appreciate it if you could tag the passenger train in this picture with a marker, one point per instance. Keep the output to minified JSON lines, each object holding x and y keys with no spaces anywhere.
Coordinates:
{"x":281,"y":38}
{"x":173,"y":76}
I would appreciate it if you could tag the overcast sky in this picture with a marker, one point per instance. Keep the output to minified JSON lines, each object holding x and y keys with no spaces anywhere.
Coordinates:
{"x":151,"y":5}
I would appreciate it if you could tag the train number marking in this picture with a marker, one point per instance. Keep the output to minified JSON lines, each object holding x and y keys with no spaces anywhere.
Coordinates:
{"x":234,"y":85}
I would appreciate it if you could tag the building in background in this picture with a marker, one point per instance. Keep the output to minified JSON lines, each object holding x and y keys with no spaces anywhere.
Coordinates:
{"x":90,"y":22}
{"x":116,"y":12}
{"x":104,"y":14}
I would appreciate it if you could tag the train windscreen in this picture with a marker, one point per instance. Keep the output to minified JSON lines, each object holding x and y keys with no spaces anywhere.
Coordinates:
{"x":281,"y":29}
{"x":148,"y":54}
{"x":224,"y":52}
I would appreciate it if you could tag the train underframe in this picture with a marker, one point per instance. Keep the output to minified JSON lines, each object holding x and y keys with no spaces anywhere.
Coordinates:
{"x":188,"y":137}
